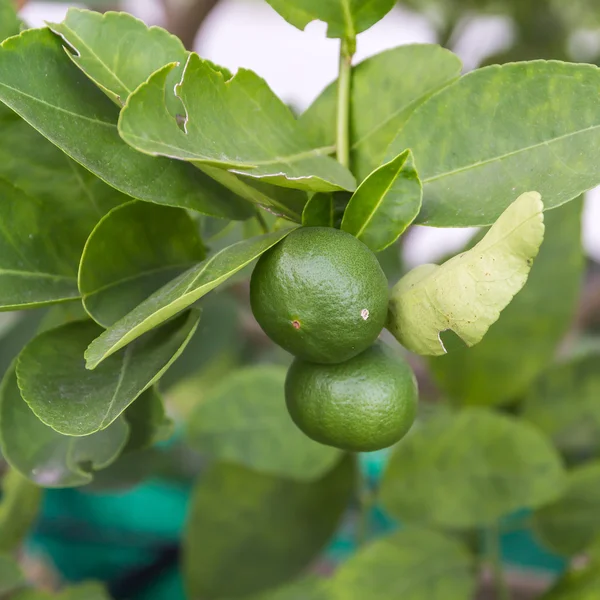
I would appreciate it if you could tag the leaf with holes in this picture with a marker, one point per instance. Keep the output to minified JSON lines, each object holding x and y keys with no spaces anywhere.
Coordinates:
{"x":40,"y":83}
{"x":466,"y":294}
{"x":345,"y":18}
{"x":117,"y":51}
{"x":132,"y":252}
{"x":524,"y":340}
{"x":74,"y":401}
{"x":179,"y":294}
{"x":490,"y":145}
{"x":235,"y":124}
{"x":385,"y":203}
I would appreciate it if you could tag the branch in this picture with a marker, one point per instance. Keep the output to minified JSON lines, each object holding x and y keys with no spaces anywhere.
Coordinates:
{"x":185,"y":21}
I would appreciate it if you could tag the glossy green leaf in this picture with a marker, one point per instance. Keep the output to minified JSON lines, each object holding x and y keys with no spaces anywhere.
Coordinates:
{"x":385,"y":203}
{"x":85,"y":591}
{"x":179,"y":294}
{"x":52,"y":205}
{"x":565,"y":403}
{"x":35,"y":252}
{"x":345,"y":18}
{"x":19,"y":507}
{"x":244,"y":421}
{"x":482,"y":464}
{"x":117,"y":51}
{"x":45,"y":456}
{"x":277,"y":525}
{"x":24,"y":327}
{"x":11,"y":577}
{"x":571,"y":523}
{"x":132,"y":252}
{"x":9,"y":22}
{"x":523,"y":341}
{"x":404,"y":78}
{"x":148,"y":421}
{"x":466,"y":294}
{"x":502,"y":131}
{"x":413,"y":564}
{"x":75,"y":401}
{"x":269,"y":147}
{"x":40,"y":83}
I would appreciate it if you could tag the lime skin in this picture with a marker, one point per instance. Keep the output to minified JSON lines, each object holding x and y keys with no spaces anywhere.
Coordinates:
{"x":364,"y":404}
{"x":320,"y":294}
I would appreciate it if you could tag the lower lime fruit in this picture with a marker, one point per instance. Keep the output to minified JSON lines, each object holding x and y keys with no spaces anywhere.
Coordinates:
{"x":366,"y":403}
{"x":320,"y":294}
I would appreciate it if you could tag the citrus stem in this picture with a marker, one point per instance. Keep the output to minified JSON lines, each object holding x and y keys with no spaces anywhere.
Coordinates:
{"x":494,"y":552}
{"x":343,"y":102}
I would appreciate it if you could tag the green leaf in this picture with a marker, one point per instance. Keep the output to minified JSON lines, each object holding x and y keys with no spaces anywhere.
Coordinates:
{"x":117,"y":51}
{"x":385,"y":203}
{"x":75,"y":401}
{"x":45,"y":456}
{"x":324,"y":210}
{"x":501,"y":131}
{"x":19,"y":507}
{"x":277,"y":525}
{"x":24,"y":326}
{"x":52,"y":204}
{"x":36,"y":252}
{"x":413,"y":564}
{"x":132,"y":252}
{"x":148,"y":421}
{"x":404,"y":78}
{"x":309,"y":588}
{"x":565,"y":404}
{"x":466,"y":294}
{"x":524,"y":339}
{"x":40,"y":83}
{"x":482,"y":464}
{"x":85,"y":591}
{"x":244,"y":421}
{"x":9,"y":21}
{"x":237,"y":124}
{"x":11,"y":577}
{"x":345,"y":18}
{"x":179,"y":294}
{"x":571,"y":523}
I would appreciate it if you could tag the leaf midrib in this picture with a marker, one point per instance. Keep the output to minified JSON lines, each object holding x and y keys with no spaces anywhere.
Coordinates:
{"x":508,"y":154}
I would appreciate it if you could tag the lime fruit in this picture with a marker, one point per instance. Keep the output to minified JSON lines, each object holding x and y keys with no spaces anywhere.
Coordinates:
{"x":320,"y":294}
{"x":366,"y":403}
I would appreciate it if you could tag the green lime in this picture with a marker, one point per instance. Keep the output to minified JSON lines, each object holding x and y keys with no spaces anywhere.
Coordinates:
{"x":320,"y":294}
{"x":366,"y":403}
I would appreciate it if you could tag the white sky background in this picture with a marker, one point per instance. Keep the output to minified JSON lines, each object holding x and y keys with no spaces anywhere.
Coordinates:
{"x":298,"y":65}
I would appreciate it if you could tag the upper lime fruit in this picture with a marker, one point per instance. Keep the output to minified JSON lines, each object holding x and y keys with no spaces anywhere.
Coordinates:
{"x":361,"y":405}
{"x":320,"y":294}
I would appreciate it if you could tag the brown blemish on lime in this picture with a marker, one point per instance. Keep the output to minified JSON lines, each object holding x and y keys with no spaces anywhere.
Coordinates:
{"x":296,"y":324}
